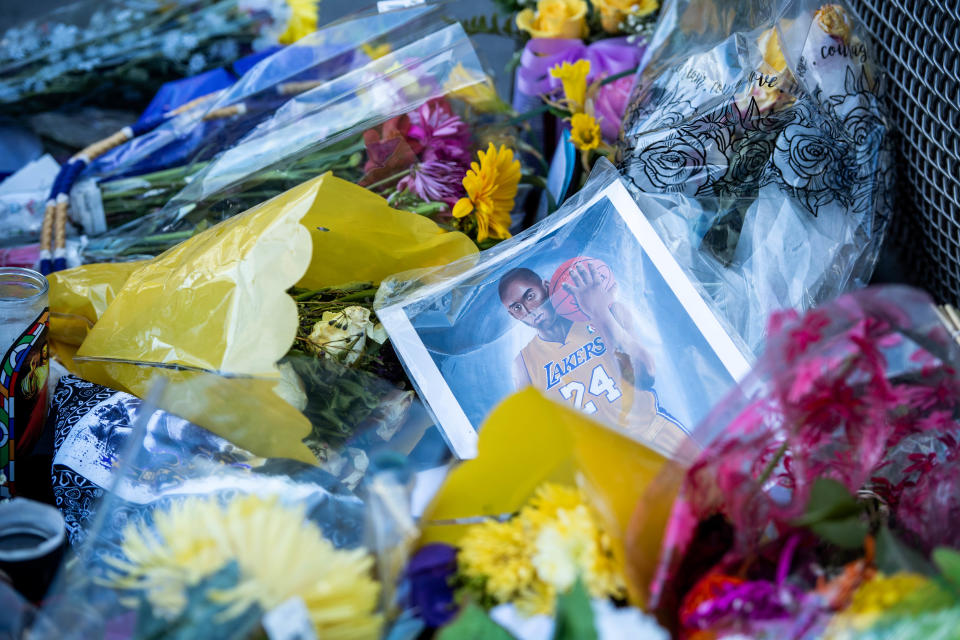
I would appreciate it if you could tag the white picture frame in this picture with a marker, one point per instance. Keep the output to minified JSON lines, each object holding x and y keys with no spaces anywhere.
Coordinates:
{"x":458,"y":430}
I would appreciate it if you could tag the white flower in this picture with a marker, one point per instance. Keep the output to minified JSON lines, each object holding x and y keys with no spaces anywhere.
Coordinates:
{"x":566,"y":549}
{"x":343,"y":334}
{"x":611,"y":623}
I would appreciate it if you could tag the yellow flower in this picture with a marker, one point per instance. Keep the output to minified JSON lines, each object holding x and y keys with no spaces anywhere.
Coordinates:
{"x":303,"y":20}
{"x":279,"y":554}
{"x":491,"y":187}
{"x":479,"y":94}
{"x":833,"y":20}
{"x":769,"y":43}
{"x":877,"y":596}
{"x":574,"y":80}
{"x":585,"y":131}
{"x":499,"y":552}
{"x":566,"y":548}
{"x":542,"y":551}
{"x":548,"y":500}
{"x":375,"y":52}
{"x":613,"y":12}
{"x":555,"y":19}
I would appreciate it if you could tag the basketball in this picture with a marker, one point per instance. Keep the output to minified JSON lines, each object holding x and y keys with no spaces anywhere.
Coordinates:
{"x":563,"y":302}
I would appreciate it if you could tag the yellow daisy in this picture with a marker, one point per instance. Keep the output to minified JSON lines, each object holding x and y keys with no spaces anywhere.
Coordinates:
{"x":491,"y":188}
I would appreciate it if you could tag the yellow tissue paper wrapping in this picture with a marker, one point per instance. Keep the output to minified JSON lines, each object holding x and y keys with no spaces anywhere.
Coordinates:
{"x":528,"y":440}
{"x":216,"y":305}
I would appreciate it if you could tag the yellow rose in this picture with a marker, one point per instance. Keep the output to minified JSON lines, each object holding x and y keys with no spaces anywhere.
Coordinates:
{"x":555,"y":19}
{"x":833,"y":20}
{"x":769,"y":43}
{"x":613,"y":12}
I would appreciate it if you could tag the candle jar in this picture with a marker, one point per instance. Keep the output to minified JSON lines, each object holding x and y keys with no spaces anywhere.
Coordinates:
{"x":32,"y":543}
{"x":24,"y":323}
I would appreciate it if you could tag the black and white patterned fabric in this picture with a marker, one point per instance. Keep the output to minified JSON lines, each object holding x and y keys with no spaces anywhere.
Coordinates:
{"x":100,"y":469}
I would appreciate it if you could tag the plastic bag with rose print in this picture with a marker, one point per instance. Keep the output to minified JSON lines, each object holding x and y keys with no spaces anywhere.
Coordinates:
{"x":756,"y":145}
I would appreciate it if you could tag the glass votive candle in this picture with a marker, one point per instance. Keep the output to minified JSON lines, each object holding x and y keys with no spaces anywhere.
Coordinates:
{"x":24,"y":324}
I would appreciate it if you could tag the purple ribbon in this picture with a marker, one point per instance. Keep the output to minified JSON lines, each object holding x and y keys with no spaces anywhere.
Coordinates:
{"x":607,"y":57}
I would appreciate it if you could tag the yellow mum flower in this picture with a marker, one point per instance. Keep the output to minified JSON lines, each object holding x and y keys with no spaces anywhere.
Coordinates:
{"x":613,"y":12}
{"x":548,"y":500}
{"x":499,"y":552}
{"x":555,"y":19}
{"x":491,"y":187}
{"x":303,"y":20}
{"x":542,"y":551}
{"x":585,"y":131}
{"x":574,"y":80}
{"x":279,"y":554}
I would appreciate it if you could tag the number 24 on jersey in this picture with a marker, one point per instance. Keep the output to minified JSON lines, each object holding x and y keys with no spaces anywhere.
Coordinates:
{"x":601,"y":385}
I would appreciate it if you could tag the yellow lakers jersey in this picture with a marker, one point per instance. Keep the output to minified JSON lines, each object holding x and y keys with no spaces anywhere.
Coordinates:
{"x":585,"y":371}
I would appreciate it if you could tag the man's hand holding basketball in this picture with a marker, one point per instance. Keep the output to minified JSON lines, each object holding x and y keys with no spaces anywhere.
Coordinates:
{"x":588,"y":290}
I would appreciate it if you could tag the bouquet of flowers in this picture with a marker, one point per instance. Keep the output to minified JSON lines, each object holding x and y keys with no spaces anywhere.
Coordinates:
{"x":827,"y":483}
{"x":766,"y":169}
{"x":537,"y":553}
{"x":195,"y":537}
{"x":108,"y":53}
{"x":398,"y":125}
{"x":195,"y":128}
{"x":573,"y":43}
{"x":273,"y":313}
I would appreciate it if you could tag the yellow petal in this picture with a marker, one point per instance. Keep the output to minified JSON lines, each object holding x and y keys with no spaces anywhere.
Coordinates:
{"x":464,"y":207}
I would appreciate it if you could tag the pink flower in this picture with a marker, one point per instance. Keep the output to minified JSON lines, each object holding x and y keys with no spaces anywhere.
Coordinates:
{"x":442,"y":134}
{"x":808,"y":333}
{"x":610,"y":104}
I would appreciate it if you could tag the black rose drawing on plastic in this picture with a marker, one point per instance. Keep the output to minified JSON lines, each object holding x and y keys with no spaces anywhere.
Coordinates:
{"x":749,"y":159}
{"x":803,"y":155}
{"x":676,"y":165}
{"x":862,"y":126}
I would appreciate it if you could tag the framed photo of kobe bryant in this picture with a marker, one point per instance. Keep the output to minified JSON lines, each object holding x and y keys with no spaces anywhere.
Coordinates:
{"x":588,"y":306}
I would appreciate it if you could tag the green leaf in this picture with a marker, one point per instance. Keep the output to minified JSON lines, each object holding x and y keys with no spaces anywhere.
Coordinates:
{"x":574,"y":618}
{"x":847,"y":533}
{"x":829,"y":500}
{"x":893,"y":555}
{"x":473,"y":624}
{"x":948,"y":561}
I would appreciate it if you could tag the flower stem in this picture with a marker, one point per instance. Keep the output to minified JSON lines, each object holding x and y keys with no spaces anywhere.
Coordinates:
{"x":380,"y":183}
{"x":777,"y":457}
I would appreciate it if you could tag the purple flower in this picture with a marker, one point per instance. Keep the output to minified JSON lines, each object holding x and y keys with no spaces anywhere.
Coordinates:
{"x":435,"y":181}
{"x":429,"y":572}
